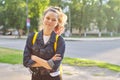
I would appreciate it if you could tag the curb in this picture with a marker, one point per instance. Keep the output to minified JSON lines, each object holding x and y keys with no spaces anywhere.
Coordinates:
{"x":90,"y":39}
{"x":68,"y":38}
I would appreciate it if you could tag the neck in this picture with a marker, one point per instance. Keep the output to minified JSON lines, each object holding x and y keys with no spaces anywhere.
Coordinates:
{"x":47,"y":32}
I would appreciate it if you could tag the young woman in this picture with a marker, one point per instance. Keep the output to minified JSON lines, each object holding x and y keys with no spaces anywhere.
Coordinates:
{"x":41,"y":57}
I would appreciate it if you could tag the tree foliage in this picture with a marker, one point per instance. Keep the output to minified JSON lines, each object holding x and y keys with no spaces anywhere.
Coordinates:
{"x":12,"y":14}
{"x":35,"y":10}
{"x":81,"y":13}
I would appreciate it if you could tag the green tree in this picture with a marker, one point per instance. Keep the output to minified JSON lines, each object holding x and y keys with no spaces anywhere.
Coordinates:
{"x":113,"y":17}
{"x":14,"y":14}
{"x":35,"y":10}
{"x":82,"y":14}
{"x":55,"y":3}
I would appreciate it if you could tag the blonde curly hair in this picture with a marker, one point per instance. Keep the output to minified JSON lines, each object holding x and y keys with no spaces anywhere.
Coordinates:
{"x":62,"y":19}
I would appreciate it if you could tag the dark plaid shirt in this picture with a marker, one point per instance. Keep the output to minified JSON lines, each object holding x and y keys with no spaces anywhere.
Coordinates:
{"x":46,"y":50}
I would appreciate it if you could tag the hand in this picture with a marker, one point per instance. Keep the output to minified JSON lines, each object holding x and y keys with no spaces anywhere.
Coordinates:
{"x":40,"y":62}
{"x":56,"y":57}
{"x":33,"y":57}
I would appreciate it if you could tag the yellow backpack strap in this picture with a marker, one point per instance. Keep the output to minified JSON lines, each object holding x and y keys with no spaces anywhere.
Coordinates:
{"x":34,"y":37}
{"x":55,"y":48}
{"x":55,"y":43}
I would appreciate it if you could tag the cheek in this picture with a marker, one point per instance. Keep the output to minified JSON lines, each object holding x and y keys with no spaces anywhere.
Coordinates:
{"x":51,"y":23}
{"x":55,"y":23}
{"x":44,"y":21}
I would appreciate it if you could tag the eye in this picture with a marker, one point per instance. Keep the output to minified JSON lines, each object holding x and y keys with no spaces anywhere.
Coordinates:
{"x":47,"y":18}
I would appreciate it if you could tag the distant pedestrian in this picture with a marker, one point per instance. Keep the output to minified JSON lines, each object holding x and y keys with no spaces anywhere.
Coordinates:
{"x":16,"y":34}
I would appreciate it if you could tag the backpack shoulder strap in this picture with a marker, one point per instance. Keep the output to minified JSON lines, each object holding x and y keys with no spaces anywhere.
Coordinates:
{"x":34,"y":37}
{"x":55,"y":48}
{"x":55,"y":43}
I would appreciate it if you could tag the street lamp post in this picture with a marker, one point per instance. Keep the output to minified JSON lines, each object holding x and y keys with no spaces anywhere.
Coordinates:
{"x":27,"y":19}
{"x":70,"y":21}
{"x":67,"y":9}
{"x":27,"y":8}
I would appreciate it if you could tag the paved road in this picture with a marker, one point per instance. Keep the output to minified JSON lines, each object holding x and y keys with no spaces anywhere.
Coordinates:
{"x":104,"y":50}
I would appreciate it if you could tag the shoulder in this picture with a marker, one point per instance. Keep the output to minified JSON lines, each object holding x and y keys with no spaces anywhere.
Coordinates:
{"x":30,"y":35}
{"x":61,"y":39}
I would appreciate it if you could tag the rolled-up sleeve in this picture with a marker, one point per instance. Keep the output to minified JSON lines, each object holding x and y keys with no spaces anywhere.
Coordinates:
{"x":60,"y":50}
{"x":27,"y":61}
{"x":51,"y":63}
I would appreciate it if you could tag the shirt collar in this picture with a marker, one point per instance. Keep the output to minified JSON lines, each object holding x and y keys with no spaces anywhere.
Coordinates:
{"x":52,"y":38}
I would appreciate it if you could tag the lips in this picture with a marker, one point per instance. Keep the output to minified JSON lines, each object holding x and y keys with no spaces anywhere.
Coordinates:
{"x":48,"y":24}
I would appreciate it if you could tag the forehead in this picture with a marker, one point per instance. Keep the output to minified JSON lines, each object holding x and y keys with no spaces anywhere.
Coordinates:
{"x":51,"y":14}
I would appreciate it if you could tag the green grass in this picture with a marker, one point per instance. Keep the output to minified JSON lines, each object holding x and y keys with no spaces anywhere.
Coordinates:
{"x":86,"y":62}
{"x":13,"y":56}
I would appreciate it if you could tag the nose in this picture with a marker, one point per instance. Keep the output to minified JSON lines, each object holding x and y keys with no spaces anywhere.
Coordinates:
{"x":49,"y":20}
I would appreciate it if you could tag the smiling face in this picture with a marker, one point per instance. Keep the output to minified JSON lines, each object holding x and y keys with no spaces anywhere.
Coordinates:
{"x":50,"y":20}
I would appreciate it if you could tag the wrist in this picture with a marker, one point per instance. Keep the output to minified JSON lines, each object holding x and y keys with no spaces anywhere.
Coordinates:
{"x":51,"y":63}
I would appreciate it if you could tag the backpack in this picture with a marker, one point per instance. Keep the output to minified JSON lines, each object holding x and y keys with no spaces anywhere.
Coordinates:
{"x":55,"y":47}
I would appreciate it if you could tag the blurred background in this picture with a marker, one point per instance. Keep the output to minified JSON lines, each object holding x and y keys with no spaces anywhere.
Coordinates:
{"x":92,"y":32}
{"x":86,"y":18}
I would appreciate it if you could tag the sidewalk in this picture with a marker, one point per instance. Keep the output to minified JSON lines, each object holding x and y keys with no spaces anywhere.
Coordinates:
{"x":18,"y":72}
{"x":12,"y":37}
{"x":77,"y":39}
{"x":69,"y":38}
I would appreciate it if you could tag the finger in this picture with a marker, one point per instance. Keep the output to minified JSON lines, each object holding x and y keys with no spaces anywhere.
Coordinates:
{"x":57,"y":55}
{"x":58,"y":58}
